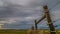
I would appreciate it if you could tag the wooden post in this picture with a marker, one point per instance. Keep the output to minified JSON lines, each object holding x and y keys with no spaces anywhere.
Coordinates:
{"x":35,"y":27}
{"x":43,"y":17}
{"x":51,"y":26}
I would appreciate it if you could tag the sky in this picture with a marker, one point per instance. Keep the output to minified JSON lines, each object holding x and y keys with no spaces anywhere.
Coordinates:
{"x":20,"y":14}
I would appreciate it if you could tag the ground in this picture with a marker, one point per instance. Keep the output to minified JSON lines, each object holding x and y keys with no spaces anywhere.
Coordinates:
{"x":14,"y":31}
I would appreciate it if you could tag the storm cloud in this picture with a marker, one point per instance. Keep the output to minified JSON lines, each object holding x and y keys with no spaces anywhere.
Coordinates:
{"x":16,"y":12}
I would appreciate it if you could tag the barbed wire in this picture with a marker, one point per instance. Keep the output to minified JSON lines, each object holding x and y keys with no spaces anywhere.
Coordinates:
{"x":55,"y":5}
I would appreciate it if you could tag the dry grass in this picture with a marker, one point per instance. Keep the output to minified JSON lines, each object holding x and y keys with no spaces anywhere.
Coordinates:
{"x":11,"y":31}
{"x":47,"y":32}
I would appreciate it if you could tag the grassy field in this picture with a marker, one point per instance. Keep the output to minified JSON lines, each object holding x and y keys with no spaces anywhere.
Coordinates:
{"x":12,"y":31}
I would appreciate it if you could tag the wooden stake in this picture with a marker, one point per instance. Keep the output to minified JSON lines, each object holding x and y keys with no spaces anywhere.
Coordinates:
{"x":43,"y":17}
{"x":35,"y":27}
{"x":51,"y":26}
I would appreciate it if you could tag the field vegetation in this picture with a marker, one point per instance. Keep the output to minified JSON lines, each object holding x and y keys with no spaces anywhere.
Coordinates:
{"x":14,"y":31}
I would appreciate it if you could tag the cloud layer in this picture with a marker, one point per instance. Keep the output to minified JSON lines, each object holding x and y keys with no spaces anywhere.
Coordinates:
{"x":17,"y":12}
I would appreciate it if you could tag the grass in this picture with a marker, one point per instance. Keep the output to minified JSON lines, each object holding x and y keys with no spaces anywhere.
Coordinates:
{"x":12,"y":31}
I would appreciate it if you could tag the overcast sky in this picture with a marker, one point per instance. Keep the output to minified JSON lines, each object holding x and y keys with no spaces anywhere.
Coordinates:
{"x":20,"y":14}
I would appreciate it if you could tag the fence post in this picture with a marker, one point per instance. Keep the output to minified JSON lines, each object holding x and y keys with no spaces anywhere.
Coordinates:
{"x":51,"y":26}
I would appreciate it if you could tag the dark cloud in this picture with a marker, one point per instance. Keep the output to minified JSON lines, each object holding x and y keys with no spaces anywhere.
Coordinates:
{"x":5,"y":12}
{"x":24,"y":13}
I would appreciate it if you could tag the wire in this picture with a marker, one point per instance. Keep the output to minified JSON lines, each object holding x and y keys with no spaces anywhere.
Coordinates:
{"x":55,"y":5}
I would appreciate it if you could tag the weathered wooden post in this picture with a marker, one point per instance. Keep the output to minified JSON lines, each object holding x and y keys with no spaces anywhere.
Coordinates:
{"x":43,"y":17}
{"x":51,"y":26}
{"x":35,"y":27}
